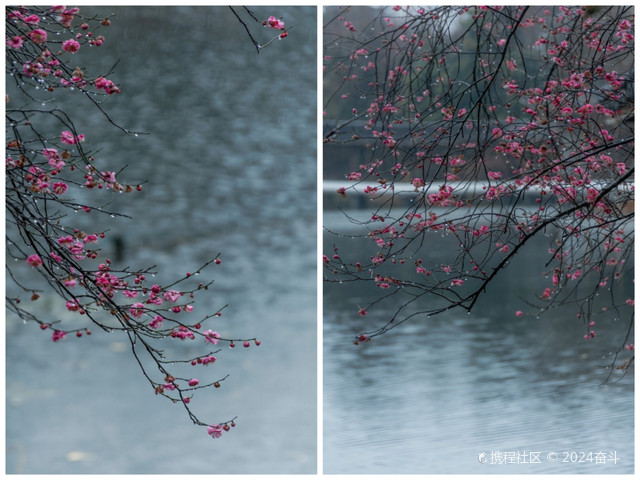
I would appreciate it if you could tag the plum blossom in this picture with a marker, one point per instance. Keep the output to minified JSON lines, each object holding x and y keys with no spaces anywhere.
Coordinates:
{"x":108,"y":86}
{"x":275,"y":23}
{"x":156,"y":322}
{"x":171,"y":295}
{"x":182,"y":333}
{"x":38,"y":36}
{"x":59,"y":188}
{"x":67,"y":137}
{"x":50,"y":153}
{"x":32,"y":19}
{"x":585,"y":109}
{"x":91,"y":238}
{"x":31,"y":68}
{"x":211,"y":337}
{"x":34,"y":260}
{"x":204,"y":360}
{"x":592,"y":194}
{"x":215,"y":431}
{"x":65,"y":240}
{"x":72,"y":305}
{"x":418,"y":183}
{"x":70,"y":46}
{"x":58,"y":335}
{"x":15,"y":42}
{"x":154,"y":299}
{"x":136,"y":310}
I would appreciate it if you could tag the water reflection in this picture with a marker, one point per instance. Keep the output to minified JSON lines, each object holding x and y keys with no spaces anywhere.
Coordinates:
{"x":433,"y":394}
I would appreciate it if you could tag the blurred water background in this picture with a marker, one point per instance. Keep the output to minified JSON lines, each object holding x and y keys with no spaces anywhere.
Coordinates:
{"x":465,"y":393}
{"x":230,"y":166}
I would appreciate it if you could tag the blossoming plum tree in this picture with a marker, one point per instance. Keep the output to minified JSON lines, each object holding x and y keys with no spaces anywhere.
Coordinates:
{"x":46,"y":163}
{"x":491,"y":126}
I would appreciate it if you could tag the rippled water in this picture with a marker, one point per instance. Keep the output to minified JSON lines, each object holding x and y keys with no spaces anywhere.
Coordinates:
{"x":433,"y":394}
{"x":230,"y":165}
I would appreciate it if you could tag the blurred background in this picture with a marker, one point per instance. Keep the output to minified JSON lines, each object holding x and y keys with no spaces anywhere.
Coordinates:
{"x":230,"y":166}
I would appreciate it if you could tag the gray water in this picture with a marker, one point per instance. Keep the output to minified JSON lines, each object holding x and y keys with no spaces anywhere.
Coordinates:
{"x":230,"y":166}
{"x":436,"y":395}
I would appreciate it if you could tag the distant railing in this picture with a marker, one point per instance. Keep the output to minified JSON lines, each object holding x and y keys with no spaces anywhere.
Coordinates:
{"x":361,"y":193}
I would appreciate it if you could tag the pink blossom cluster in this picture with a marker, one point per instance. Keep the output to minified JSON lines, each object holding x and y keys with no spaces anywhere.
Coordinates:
{"x":68,"y":138}
{"x":70,"y":46}
{"x":58,"y":335}
{"x":183,"y":333}
{"x":76,"y":245}
{"x":444,"y":197}
{"x":545,"y":134}
{"x":46,"y":64}
{"x":66,"y":15}
{"x":34,"y":260}
{"x":14,"y":42}
{"x":76,"y":80}
{"x":38,"y":36}
{"x":108,"y":86}
{"x":204,"y":360}
{"x":96,"y":179}
{"x":211,"y":337}
{"x":276,"y":24}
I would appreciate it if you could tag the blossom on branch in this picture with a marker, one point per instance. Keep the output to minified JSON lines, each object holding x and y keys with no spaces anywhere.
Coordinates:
{"x":70,"y":46}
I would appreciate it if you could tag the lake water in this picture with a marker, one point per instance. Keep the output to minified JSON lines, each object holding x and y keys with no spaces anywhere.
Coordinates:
{"x":438,"y":395}
{"x":230,"y":165}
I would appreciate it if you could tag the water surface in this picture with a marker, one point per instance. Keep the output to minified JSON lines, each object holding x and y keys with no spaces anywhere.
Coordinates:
{"x":434,"y":394}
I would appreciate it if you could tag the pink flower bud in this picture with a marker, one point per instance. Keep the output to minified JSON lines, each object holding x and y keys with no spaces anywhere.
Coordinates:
{"x":34,"y":260}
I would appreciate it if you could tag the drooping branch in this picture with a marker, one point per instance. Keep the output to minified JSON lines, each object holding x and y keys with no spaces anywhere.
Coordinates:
{"x":46,"y":162}
{"x":492,"y":126}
